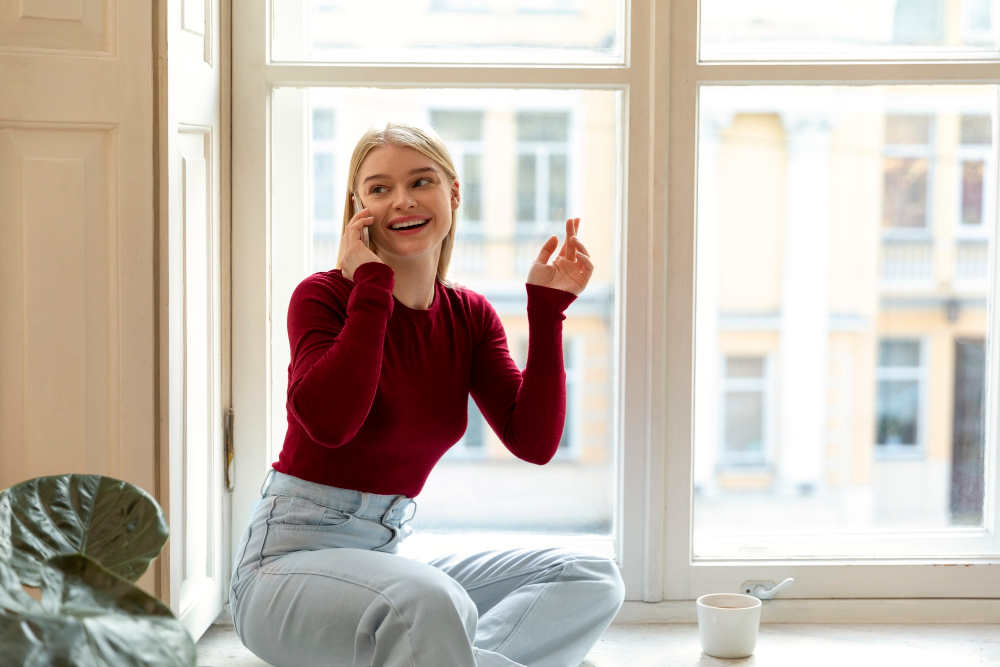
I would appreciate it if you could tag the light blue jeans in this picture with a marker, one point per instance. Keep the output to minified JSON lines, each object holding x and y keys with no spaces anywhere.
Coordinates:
{"x":318,"y":581}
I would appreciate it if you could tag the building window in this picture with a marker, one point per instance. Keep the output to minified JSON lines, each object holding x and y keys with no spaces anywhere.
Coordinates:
{"x":900,"y":378}
{"x":324,"y":207}
{"x":542,"y":170}
{"x":463,"y":133}
{"x":472,"y":444}
{"x":978,"y":21}
{"x":744,"y":411}
{"x":918,"y":22}
{"x":907,"y":161}
{"x":975,"y":166}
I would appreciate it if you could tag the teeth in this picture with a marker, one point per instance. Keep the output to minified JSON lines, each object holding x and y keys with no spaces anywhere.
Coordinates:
{"x":404,"y":225}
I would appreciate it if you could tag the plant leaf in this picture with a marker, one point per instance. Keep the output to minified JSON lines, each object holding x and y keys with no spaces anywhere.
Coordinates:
{"x":88,"y":617}
{"x":116,"y":523}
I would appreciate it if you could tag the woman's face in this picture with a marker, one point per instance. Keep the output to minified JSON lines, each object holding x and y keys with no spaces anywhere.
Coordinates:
{"x":411,"y":198}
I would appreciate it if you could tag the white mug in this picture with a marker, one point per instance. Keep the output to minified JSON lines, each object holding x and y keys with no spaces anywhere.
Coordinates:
{"x":728,"y":624}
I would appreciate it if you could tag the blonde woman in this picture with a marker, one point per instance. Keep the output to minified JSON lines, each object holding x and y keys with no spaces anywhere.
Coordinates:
{"x":385,"y":352}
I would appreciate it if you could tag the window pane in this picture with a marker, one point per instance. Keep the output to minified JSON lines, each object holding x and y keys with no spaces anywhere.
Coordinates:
{"x":744,"y":421}
{"x":765,"y":29}
{"x":322,"y":124}
{"x":977,"y":129}
{"x":898,"y":406}
{"x":905,"y":192}
{"x":526,"y":191}
{"x":840,"y":320}
{"x":450,"y":31}
{"x":323,"y":186}
{"x":744,"y":367}
{"x":558,"y":181}
{"x":899,"y":353}
{"x":972,"y":192}
{"x":472,"y":200}
{"x":503,"y":143}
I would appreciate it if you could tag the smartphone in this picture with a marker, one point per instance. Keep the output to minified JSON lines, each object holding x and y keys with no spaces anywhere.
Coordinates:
{"x":364,"y":230}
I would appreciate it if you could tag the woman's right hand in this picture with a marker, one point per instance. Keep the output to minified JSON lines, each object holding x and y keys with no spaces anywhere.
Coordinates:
{"x":353,"y":252}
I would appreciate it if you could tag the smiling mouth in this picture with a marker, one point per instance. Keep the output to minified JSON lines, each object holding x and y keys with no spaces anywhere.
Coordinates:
{"x":411,"y":224}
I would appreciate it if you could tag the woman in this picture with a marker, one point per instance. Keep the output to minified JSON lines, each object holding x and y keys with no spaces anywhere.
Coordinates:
{"x":384,"y":355}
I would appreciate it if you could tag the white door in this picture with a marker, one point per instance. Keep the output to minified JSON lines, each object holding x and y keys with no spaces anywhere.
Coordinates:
{"x":195,"y":247}
{"x":77,"y":355}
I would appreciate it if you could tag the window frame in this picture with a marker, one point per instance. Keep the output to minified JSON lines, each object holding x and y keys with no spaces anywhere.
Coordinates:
{"x":885,"y":577}
{"x":654,"y":319}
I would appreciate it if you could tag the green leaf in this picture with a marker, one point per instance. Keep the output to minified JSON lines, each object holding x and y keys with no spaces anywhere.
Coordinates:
{"x":88,"y":617}
{"x":116,"y":523}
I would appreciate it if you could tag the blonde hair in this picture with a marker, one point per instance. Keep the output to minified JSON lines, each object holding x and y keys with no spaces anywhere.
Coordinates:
{"x":424,"y":141}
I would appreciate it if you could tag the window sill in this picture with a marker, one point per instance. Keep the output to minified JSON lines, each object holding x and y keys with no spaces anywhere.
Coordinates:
{"x":781,"y":645}
{"x":869,"y":611}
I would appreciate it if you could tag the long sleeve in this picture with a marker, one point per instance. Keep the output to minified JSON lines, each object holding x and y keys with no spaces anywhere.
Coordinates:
{"x":337,"y":352}
{"x":526,"y":410}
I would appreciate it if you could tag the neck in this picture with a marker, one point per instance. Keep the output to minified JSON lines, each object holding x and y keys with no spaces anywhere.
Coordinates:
{"x":415,"y":278}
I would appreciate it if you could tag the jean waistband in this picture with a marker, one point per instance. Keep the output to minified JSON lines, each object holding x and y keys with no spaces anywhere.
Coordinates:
{"x":358,"y":503}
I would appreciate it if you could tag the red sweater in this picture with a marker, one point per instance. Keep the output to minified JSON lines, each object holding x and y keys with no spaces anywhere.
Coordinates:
{"x":378,"y":392}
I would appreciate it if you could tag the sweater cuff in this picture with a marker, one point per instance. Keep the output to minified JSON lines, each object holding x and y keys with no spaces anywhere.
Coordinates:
{"x":548,"y":298}
{"x":375,"y":273}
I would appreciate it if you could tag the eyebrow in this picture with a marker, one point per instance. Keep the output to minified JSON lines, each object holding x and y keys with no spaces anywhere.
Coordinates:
{"x":418,"y":170}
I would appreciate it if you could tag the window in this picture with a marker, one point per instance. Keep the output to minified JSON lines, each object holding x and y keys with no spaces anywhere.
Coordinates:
{"x":978,"y":22}
{"x":746,"y":412}
{"x":899,"y":412}
{"x":802,"y":212}
{"x":976,"y":168}
{"x":907,"y":163}
{"x":918,"y":21}
{"x":542,"y":170}
{"x":463,"y":132}
{"x":324,"y":209}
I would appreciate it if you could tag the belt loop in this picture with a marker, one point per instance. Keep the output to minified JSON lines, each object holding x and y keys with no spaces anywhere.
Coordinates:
{"x":365,"y":497}
{"x":266,"y":477}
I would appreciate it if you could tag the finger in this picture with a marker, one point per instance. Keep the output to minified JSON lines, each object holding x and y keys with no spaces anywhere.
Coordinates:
{"x":363,"y":213}
{"x":579,"y":246}
{"x":569,"y":249}
{"x":547,"y":248}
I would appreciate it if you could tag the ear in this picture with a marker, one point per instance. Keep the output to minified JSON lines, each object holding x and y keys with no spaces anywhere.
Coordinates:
{"x":456,"y":195}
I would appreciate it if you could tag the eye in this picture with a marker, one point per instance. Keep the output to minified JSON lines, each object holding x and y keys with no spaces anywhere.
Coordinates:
{"x":422,"y":181}
{"x":376,"y":189}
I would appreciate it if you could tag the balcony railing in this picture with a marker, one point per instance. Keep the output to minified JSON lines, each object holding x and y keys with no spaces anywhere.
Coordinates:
{"x":907,"y":261}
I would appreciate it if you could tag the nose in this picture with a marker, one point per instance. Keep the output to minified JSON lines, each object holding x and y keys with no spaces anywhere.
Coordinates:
{"x":402,"y":199}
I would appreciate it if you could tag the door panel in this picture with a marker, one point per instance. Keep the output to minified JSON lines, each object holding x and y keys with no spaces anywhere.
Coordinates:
{"x":77,"y":353}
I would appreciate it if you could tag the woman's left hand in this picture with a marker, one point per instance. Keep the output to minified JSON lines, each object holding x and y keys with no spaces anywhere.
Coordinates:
{"x":570,"y":271}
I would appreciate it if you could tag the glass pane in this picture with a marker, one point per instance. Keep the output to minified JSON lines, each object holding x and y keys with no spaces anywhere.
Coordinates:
{"x":744,"y":367}
{"x":977,"y":129}
{"x":744,"y":421}
{"x":972,"y":192}
{"x":905,"y":195}
{"x":503,"y":143}
{"x":323,"y":208}
{"x":766,"y":29}
{"x":450,"y":31}
{"x":898,"y":407}
{"x":526,"y":191}
{"x":841,"y":316}
{"x":899,"y":353}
